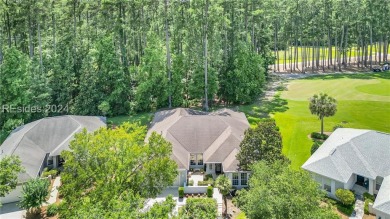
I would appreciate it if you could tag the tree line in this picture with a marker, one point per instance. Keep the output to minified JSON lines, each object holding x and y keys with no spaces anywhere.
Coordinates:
{"x":115,"y":57}
{"x":329,"y":34}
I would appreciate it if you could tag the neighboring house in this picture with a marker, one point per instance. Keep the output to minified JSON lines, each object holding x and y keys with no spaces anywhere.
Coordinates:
{"x":40,"y":143}
{"x":202,"y":140}
{"x":358,"y":160}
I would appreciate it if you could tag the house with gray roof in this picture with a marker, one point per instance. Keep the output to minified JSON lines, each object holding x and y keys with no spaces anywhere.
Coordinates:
{"x":39,"y":144}
{"x":358,"y":160}
{"x":202,"y":140}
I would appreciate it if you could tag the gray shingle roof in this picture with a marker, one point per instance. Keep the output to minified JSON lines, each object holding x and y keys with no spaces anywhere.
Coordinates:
{"x":32,"y":141}
{"x":382,"y":201}
{"x":355,"y":151}
{"x":217,"y":134}
{"x":352,"y":151}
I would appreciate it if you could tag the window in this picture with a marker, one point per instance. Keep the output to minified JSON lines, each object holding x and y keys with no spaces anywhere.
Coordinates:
{"x":50,"y":161}
{"x":192,"y":159}
{"x":327,"y":188}
{"x":200,"y":159}
{"x":244,"y":179}
{"x":210,"y":166}
{"x":235,"y":179}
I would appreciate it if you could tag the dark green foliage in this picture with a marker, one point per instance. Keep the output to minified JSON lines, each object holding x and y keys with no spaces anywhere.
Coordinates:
{"x":278,"y":191}
{"x":263,"y":142}
{"x":10,"y":167}
{"x":244,"y":79}
{"x":112,"y":172}
{"x":199,"y":208}
{"x":34,"y":193}
{"x":314,"y":147}
{"x":210,"y":191}
{"x":337,"y":126}
{"x":103,"y":85}
{"x":181,"y":192}
{"x":367,"y":195}
{"x":345,"y":196}
{"x":52,"y":210}
{"x":316,"y":135}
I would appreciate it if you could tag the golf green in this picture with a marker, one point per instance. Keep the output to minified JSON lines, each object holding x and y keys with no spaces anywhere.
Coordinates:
{"x":363,"y":102}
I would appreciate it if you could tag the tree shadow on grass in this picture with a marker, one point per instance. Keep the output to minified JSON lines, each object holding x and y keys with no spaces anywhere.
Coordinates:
{"x":365,"y":76}
{"x":267,"y":107}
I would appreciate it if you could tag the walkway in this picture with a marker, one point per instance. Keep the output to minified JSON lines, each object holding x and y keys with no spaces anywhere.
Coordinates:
{"x":54,"y":191}
{"x":359,"y":210}
{"x":12,"y":211}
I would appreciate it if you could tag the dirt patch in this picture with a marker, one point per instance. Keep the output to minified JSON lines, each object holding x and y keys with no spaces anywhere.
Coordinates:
{"x":233,"y":211}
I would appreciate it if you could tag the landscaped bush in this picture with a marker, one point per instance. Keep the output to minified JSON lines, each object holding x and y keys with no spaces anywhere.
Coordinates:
{"x":345,"y":196}
{"x":52,"y":172}
{"x":210,"y":191}
{"x":367,"y":195}
{"x":368,"y":198}
{"x":205,"y":183}
{"x":52,"y":210}
{"x":181,"y":192}
{"x":208,"y":176}
{"x":337,"y":126}
{"x":191,"y":182}
{"x":317,"y":135}
{"x":314,"y":147}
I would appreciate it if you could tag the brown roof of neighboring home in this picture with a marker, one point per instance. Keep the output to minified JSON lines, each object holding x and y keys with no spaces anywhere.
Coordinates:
{"x":216,"y":134}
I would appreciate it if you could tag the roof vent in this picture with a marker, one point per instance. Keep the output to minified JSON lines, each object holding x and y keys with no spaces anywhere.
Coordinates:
{"x":332,"y":151}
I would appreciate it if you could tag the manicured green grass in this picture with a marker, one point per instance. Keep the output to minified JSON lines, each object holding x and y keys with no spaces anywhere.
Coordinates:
{"x":309,"y":50}
{"x":142,"y":118}
{"x":356,"y":109}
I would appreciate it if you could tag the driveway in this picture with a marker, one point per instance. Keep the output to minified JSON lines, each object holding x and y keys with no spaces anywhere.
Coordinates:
{"x":11,"y":211}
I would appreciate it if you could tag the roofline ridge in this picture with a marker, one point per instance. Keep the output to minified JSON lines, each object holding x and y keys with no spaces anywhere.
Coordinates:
{"x":228,"y":129}
{"x":362,"y":159}
{"x":24,"y":135}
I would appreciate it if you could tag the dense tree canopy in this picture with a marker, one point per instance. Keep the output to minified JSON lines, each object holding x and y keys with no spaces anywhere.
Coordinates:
{"x":262,"y":143}
{"x":118,"y":57}
{"x":277,"y":191}
{"x":10,"y":167}
{"x":112,"y":172}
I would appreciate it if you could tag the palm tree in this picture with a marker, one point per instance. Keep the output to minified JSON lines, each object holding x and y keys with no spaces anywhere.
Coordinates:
{"x":322,"y":106}
{"x":224,"y":185}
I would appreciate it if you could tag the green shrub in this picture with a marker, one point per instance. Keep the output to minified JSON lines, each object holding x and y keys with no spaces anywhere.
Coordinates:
{"x":181,"y":192}
{"x":46,"y":172}
{"x":210,"y":192}
{"x":205,"y":183}
{"x":367,"y":195}
{"x":52,"y":210}
{"x":366,"y":202}
{"x":191,"y":182}
{"x":317,"y":135}
{"x":337,"y":126}
{"x":208,"y":176}
{"x":345,"y":196}
{"x":314,"y":147}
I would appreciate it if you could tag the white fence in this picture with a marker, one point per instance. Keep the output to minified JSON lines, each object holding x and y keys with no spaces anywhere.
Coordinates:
{"x":195,"y":189}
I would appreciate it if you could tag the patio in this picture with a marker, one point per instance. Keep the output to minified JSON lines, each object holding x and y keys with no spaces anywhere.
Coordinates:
{"x":180,"y":202}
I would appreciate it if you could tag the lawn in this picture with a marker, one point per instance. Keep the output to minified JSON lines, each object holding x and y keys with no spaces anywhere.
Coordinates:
{"x":363,"y":102}
{"x":289,"y":58}
{"x":142,"y":118}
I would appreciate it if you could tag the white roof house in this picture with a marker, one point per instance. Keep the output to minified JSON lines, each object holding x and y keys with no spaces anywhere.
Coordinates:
{"x":354,"y":156}
{"x":40,"y":143}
